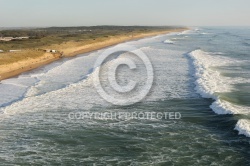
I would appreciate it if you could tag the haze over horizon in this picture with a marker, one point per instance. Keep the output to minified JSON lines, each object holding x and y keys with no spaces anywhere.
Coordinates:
{"x":30,"y":13}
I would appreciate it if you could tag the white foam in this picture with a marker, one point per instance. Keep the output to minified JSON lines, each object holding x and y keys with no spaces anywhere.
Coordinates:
{"x":204,"y":33}
{"x":210,"y":81}
{"x":83,"y":96}
{"x":63,"y":75}
{"x":169,"y":42}
{"x":14,"y":89}
{"x":186,"y":32}
{"x":224,"y":107}
{"x":243,"y":126}
{"x":179,"y":38}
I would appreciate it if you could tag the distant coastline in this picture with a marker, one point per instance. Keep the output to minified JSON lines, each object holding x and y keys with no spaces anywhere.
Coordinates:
{"x":69,"y":49}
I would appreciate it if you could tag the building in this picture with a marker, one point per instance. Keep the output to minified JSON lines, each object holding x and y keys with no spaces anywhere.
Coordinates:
{"x":20,"y":38}
{"x":6,"y":38}
{"x":13,"y":38}
{"x":51,"y":51}
{"x":15,"y":50}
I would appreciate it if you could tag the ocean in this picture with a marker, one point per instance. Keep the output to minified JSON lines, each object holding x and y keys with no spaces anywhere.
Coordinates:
{"x":200,"y":89}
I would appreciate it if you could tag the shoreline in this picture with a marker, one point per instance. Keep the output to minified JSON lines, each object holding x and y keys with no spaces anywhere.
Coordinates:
{"x":17,"y":68}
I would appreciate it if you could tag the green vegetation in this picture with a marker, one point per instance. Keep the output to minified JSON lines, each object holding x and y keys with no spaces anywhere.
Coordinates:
{"x":44,"y":37}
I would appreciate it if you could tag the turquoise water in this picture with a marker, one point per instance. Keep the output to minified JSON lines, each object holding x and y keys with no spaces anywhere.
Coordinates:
{"x":203,"y":74}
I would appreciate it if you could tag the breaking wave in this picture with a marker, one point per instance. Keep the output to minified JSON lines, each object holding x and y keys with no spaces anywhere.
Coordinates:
{"x":210,"y":83}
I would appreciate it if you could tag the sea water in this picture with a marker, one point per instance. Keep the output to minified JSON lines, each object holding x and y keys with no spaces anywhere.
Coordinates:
{"x":203,"y":74}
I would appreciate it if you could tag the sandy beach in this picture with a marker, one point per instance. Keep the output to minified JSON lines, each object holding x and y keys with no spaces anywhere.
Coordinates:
{"x":69,"y":49}
{"x":14,"y":69}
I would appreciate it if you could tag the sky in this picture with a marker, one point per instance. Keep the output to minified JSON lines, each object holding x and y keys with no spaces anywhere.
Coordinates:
{"x":29,"y":13}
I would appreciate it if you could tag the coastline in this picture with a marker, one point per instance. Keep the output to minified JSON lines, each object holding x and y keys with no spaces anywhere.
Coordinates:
{"x":17,"y":68}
